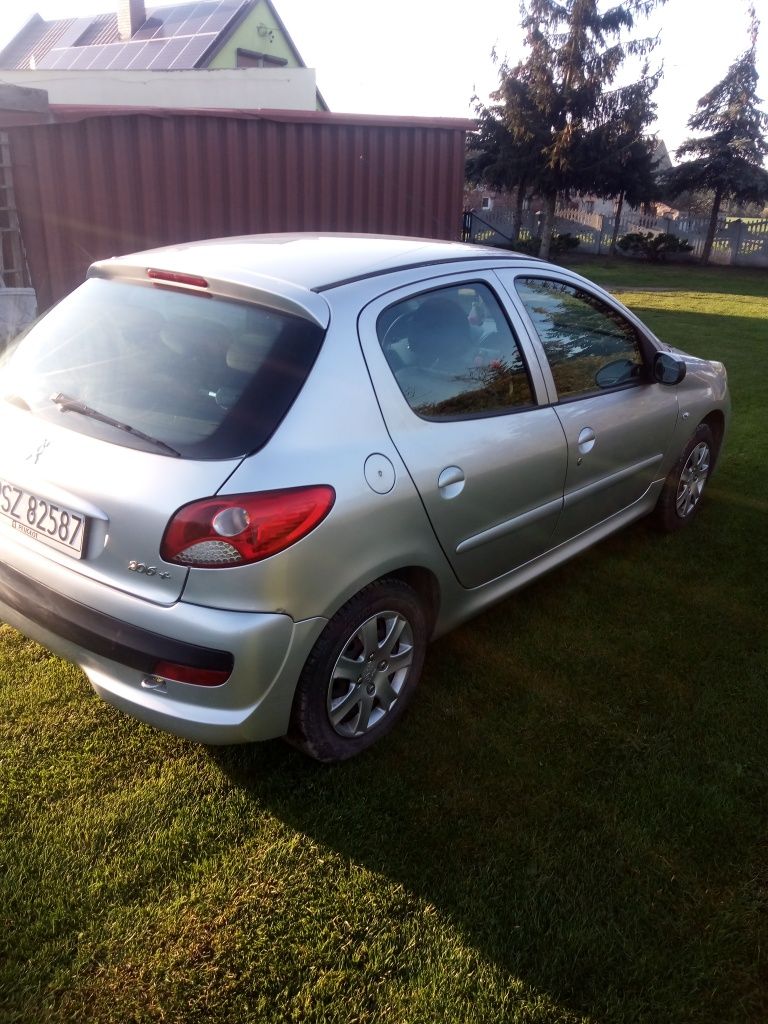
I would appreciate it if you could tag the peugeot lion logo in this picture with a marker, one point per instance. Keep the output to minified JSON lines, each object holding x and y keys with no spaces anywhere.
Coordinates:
{"x":35,"y":455}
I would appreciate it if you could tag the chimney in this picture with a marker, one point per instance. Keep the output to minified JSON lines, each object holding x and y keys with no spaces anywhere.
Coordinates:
{"x":131,"y":15}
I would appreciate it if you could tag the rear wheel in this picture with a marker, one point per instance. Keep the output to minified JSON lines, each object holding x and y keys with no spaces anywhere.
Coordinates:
{"x":361,"y":673}
{"x":684,"y":487}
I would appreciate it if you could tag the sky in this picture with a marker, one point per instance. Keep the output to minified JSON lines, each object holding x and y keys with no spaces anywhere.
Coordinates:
{"x":429,"y":57}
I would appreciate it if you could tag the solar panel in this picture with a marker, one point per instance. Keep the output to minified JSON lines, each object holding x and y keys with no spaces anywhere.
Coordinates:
{"x":138,"y":54}
{"x":102,"y":59}
{"x":142,"y":56}
{"x":188,"y":19}
{"x":170,"y":56}
{"x":187,"y":54}
{"x":163,"y":53}
{"x":73,"y":32}
{"x":149,"y":28}
{"x":70,"y":58}
{"x":171,"y":38}
{"x":81,"y":61}
{"x":194,"y":49}
{"x":102,"y":30}
{"x":209,"y":17}
{"x":54,"y":59}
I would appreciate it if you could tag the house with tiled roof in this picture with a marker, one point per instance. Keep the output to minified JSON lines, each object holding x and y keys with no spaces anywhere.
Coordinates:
{"x":207,"y":35}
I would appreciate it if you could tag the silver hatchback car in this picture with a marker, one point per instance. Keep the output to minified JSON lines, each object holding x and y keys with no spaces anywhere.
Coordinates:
{"x":244,"y":481}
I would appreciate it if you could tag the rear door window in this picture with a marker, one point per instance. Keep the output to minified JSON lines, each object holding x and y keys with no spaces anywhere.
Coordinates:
{"x":453,"y":353}
{"x":211,"y":378}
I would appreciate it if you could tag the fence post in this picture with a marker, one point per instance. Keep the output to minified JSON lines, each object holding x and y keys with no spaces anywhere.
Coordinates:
{"x":736,"y":251}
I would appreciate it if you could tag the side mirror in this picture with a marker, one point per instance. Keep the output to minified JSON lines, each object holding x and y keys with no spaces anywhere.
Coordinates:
{"x":667,"y":369}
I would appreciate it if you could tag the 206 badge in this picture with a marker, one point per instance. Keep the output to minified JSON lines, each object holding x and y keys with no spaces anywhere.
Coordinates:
{"x":148,"y":570}
{"x":35,"y":455}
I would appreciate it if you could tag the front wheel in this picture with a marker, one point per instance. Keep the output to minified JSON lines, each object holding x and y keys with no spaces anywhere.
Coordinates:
{"x":683,"y":489}
{"x":361,"y":673}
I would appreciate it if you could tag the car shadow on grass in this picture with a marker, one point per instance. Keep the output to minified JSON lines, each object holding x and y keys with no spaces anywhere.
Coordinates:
{"x":577,"y":787}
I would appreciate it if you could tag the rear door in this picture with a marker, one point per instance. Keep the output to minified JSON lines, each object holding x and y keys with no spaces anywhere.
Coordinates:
{"x":460,"y":394}
{"x":617,"y":421}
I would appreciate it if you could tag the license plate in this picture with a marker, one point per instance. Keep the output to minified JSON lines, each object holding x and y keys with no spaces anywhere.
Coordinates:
{"x":54,"y":525}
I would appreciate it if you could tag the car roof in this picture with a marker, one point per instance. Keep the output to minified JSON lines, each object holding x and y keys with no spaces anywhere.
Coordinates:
{"x":312,"y":261}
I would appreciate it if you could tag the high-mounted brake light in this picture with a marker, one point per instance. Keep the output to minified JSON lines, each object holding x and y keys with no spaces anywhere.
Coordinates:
{"x":171,"y":277}
{"x":237,"y":529}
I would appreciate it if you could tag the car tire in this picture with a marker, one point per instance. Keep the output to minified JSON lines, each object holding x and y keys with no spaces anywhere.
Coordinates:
{"x":683,"y":489}
{"x":361,"y":673}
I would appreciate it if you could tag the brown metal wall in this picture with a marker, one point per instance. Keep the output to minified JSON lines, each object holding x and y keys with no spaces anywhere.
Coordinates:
{"x":103,"y":185}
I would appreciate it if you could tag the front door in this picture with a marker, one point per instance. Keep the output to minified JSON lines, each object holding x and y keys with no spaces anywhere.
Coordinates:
{"x":617,"y":420}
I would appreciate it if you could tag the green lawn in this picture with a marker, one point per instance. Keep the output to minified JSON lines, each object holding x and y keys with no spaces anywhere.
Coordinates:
{"x":570,"y":825}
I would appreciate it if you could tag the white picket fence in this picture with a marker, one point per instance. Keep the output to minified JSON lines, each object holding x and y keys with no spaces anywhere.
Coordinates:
{"x":740,"y":243}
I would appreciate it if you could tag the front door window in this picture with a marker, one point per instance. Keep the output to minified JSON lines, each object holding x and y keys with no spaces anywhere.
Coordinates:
{"x":589,"y":345}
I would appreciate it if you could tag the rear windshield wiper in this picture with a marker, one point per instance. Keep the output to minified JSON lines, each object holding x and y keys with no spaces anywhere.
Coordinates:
{"x":19,"y":402}
{"x":68,"y":404}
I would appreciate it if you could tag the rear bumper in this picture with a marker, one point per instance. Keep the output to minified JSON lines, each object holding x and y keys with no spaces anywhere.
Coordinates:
{"x":102,"y":634}
{"x":117,"y":639}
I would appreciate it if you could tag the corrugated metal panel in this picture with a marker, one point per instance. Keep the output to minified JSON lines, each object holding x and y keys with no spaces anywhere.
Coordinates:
{"x":105,"y":185}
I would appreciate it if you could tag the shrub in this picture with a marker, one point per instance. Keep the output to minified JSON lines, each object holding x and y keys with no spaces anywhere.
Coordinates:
{"x":655,"y":248}
{"x":559,"y":245}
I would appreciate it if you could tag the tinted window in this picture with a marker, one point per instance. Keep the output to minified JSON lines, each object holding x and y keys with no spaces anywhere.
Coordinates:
{"x":588,"y":344}
{"x":453,"y":353}
{"x":212,"y":378}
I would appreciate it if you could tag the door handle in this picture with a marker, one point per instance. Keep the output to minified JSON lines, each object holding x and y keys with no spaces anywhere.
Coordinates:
{"x":450,"y":483}
{"x":586,"y":440}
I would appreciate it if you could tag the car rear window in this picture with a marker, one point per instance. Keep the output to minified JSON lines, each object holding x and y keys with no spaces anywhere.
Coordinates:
{"x":210,"y":378}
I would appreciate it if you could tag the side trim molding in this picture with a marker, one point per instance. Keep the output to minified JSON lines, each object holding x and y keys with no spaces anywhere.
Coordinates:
{"x":510,"y":525}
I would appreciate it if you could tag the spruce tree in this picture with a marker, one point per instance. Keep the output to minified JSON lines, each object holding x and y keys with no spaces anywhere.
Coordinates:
{"x":728,"y":161}
{"x":624,"y":166}
{"x":556,"y":103}
{"x":503,"y":159}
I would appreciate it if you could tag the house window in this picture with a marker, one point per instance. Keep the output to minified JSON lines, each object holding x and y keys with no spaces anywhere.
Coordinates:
{"x":486,"y":203}
{"x":254,"y":59}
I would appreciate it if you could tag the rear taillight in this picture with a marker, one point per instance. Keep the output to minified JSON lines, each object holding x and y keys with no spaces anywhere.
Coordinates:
{"x":236,"y":529}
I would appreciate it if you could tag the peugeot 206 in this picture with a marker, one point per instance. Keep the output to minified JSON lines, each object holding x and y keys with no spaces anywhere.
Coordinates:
{"x":244,"y":481}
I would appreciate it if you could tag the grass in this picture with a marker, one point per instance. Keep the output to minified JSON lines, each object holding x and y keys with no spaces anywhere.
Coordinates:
{"x":569,"y":827}
{"x":628,"y":274}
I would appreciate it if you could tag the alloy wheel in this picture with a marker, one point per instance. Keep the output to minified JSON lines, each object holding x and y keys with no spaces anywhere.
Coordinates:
{"x":370,"y":673}
{"x":692,"y":480}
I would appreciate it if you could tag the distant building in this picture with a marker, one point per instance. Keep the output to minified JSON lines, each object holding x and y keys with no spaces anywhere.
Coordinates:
{"x":124,"y":58}
{"x":483,"y":199}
